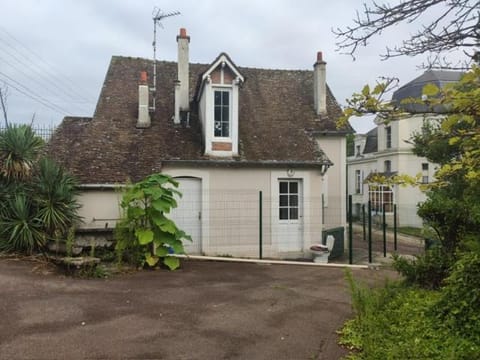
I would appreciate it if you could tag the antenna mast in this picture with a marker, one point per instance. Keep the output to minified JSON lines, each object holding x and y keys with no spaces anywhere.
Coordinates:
{"x":158,"y":16}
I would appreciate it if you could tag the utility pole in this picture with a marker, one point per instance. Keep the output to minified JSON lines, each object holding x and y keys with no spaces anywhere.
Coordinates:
{"x":3,"y":101}
{"x":158,"y":16}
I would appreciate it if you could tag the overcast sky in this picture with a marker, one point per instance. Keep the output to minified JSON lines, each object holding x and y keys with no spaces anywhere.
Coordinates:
{"x":58,"y":51}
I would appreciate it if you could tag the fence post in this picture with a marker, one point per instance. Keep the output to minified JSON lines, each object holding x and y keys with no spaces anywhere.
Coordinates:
{"x":384,"y":225}
{"x":364,"y":223}
{"x":395,"y":227}
{"x":323,"y":209}
{"x":260,"y":225}
{"x":369,"y":231}
{"x":350,"y":230}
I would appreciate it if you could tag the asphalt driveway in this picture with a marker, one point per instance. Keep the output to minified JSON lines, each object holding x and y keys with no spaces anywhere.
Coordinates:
{"x":206,"y":310}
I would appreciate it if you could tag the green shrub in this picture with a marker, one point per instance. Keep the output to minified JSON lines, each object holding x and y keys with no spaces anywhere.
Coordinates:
{"x":396,"y":322}
{"x":145,"y":232}
{"x":38,"y":199}
{"x":459,"y":304}
{"x":427,"y":270}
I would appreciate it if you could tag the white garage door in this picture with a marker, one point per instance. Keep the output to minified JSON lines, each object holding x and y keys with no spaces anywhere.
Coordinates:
{"x":188,"y":214}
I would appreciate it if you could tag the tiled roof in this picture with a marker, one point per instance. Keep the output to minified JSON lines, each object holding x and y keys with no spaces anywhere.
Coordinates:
{"x":276,"y":123}
{"x":414,"y":88}
{"x":371,"y":142}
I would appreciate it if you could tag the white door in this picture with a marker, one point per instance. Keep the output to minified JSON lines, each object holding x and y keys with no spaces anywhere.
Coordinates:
{"x":290,"y":215}
{"x":188,"y":215}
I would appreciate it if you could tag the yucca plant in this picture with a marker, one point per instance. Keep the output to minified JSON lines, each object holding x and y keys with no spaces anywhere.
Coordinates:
{"x":37,"y":197}
{"x":55,"y":196}
{"x":20,"y":229}
{"x":19,"y":149}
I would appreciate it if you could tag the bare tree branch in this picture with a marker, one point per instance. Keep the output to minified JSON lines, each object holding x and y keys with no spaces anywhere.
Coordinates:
{"x":457,"y":26}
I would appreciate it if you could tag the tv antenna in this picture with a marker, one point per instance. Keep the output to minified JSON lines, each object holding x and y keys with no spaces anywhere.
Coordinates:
{"x":158,"y":16}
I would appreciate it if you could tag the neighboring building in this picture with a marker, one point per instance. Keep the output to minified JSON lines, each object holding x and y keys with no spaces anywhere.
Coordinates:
{"x":225,"y":133}
{"x":385,"y":150}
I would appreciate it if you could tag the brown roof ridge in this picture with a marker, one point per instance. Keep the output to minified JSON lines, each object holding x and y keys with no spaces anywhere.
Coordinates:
{"x":212,"y":62}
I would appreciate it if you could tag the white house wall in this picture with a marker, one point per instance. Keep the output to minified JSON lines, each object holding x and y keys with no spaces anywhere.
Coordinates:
{"x":335,"y":149}
{"x":230,"y":209}
{"x":100,"y":208}
{"x":403,"y":161}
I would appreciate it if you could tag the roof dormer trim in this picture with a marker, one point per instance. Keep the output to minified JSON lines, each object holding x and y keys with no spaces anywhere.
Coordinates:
{"x":223,"y":58}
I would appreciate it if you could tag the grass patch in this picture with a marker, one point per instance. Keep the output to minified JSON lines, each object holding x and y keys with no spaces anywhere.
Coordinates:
{"x":400,"y":322}
{"x":410,"y":230}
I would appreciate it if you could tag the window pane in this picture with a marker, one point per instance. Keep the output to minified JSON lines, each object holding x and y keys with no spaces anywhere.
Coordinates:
{"x":218,"y":114}
{"x":226,"y":129}
{"x":293,"y":200}
{"x":218,"y":98}
{"x":283,"y":213}
{"x":283,"y":187}
{"x":225,"y":113}
{"x":293,"y":188}
{"x":283,"y":200}
{"x":293,"y":213}
{"x":225,"y":98}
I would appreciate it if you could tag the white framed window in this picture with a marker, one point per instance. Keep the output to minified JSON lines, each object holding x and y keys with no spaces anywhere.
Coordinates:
{"x":289,"y":191}
{"x":388,"y":137}
{"x":222,"y":113}
{"x":380,"y":195}
{"x":358,"y":181}
{"x":425,"y":173}
{"x":387,"y":166}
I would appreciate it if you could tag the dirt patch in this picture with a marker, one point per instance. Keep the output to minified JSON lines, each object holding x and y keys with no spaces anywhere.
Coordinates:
{"x":205,"y":310}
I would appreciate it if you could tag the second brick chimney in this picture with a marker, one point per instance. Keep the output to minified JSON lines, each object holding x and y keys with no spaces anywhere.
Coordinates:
{"x":320,"y":85}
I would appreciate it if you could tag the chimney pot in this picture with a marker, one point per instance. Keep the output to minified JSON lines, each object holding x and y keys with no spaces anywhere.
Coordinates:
{"x":143,"y":77}
{"x":319,"y":56}
{"x":183,"y":32}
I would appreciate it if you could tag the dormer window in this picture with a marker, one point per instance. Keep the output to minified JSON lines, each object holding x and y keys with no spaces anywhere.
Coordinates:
{"x":222,"y":113}
{"x":218,"y":104}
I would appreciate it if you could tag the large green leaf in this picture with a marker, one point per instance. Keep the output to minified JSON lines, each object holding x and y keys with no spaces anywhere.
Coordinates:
{"x":161,"y":205}
{"x":161,"y":251}
{"x":154,"y":192}
{"x":144,"y":236}
{"x":152,"y":260}
{"x":172,"y":262}
{"x":177,"y":247}
{"x":168,"y":226}
{"x":135,"y":212}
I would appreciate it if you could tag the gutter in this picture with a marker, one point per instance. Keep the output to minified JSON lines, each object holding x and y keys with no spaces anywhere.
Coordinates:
{"x":255,"y":164}
{"x":106,"y":186}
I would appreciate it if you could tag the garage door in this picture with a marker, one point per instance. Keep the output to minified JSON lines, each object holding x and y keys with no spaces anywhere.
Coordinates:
{"x":188,"y":214}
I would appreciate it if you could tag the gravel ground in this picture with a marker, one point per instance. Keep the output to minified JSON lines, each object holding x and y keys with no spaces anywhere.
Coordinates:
{"x":205,"y":310}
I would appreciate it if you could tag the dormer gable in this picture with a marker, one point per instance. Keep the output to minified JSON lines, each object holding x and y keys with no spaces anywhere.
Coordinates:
{"x":218,"y":106}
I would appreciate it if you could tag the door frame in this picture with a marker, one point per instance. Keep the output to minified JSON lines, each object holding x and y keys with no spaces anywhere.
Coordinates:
{"x":289,"y":174}
{"x":204,"y":177}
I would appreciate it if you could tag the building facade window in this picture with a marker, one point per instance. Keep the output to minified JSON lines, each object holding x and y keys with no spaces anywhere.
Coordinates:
{"x":387,"y":166}
{"x":222,"y":113}
{"x":288,"y":202}
{"x":380,"y":196}
{"x":388,"y":137}
{"x":425,"y":173}
{"x":358,"y":181}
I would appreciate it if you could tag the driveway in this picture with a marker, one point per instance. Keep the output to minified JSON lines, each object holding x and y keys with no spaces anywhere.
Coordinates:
{"x":205,"y":310}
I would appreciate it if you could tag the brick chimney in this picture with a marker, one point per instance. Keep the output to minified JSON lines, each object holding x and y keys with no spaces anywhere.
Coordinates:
{"x":143,"y":120}
{"x":182,"y":99}
{"x":320,"y":85}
